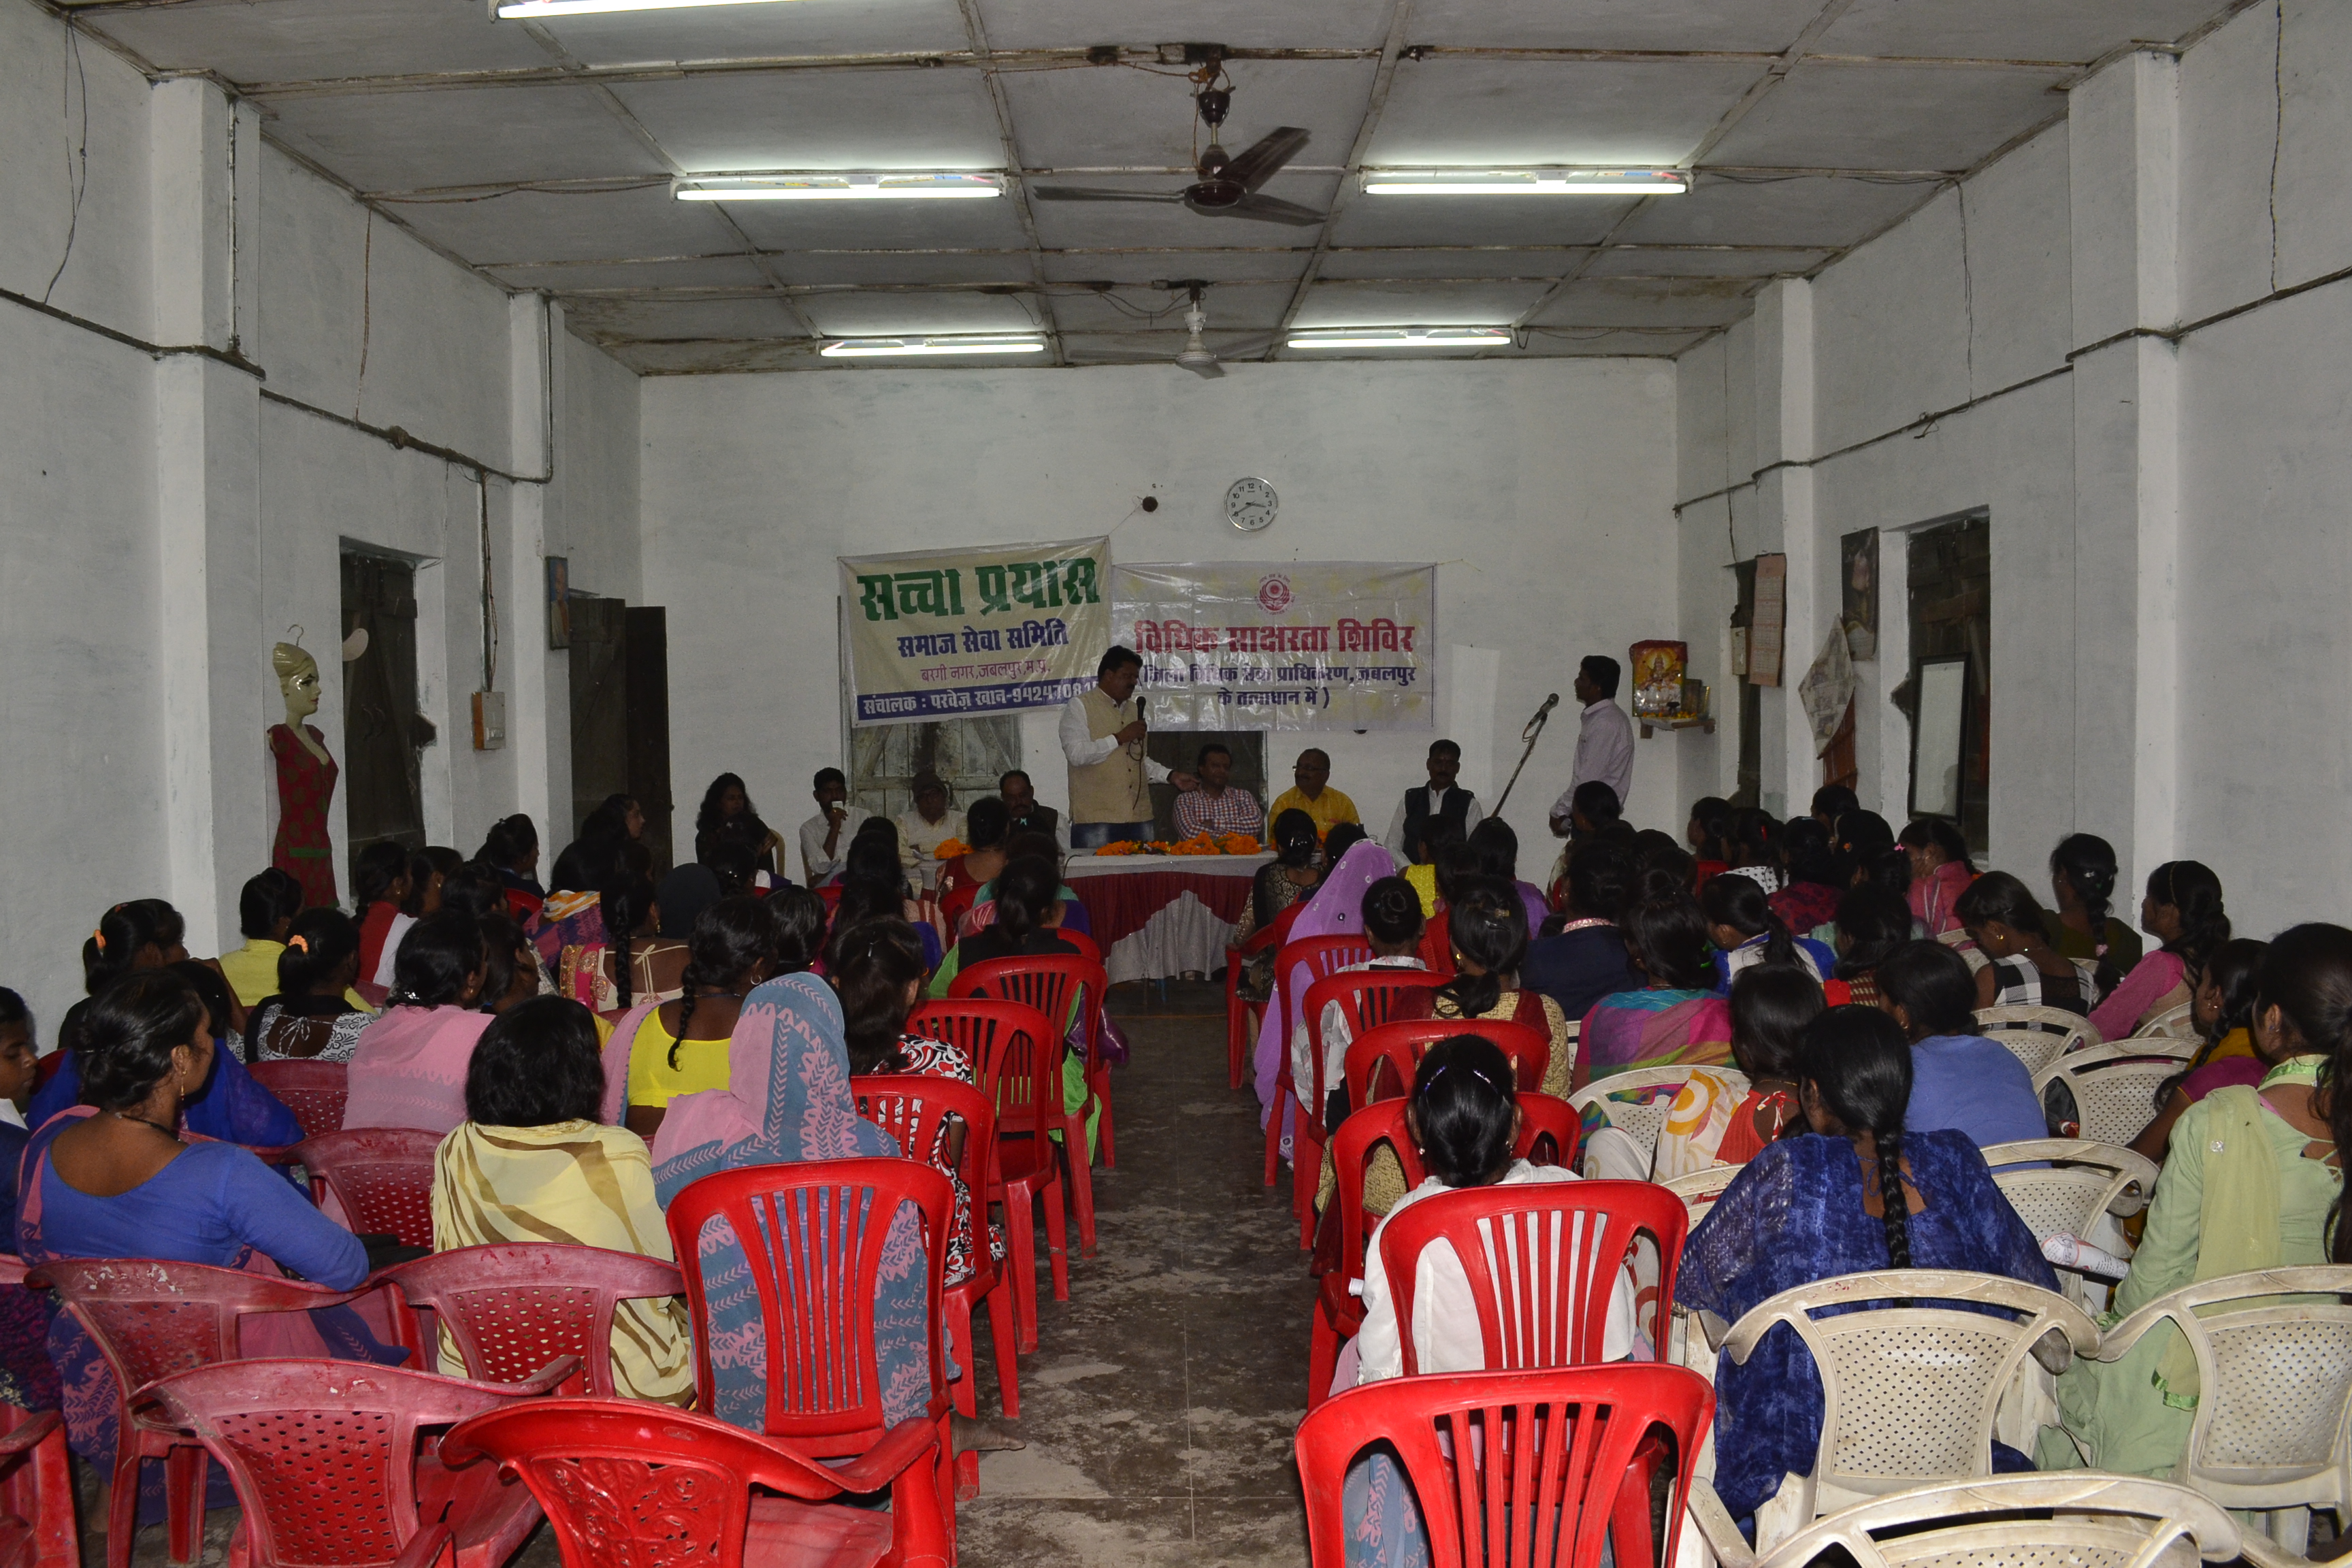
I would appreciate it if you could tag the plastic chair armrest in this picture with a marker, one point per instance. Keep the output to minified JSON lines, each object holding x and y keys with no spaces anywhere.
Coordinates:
{"x":2127,"y":1333}
{"x":426,"y":1547}
{"x":1713,"y":1327}
{"x":902,"y":1445}
{"x":675,"y":1282}
{"x":1259,"y":941}
{"x":29,"y":1433}
{"x":561,"y":1369}
{"x":1714,"y":1523}
{"x":2263,"y":1552}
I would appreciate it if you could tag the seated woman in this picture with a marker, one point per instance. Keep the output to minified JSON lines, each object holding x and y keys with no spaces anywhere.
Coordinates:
{"x":1392,"y":923}
{"x":138,"y":933}
{"x":2022,"y":969}
{"x":1708,"y":834}
{"x":2249,"y":1182}
{"x":873,"y":886}
{"x":1745,"y":931}
{"x":1582,"y":957}
{"x":409,"y":1066}
{"x":27,"y":1379}
{"x":1754,"y":843}
{"x":308,"y":1018}
{"x":1940,"y":871}
{"x":380,"y":885}
{"x":116,"y":1178}
{"x":1860,"y":1190}
{"x":1809,"y":894}
{"x":530,"y":1162}
{"x":1867,"y":855}
{"x":680,"y":1046}
{"x":636,"y":964}
{"x":1678,"y":1018}
{"x":2223,"y":1012}
{"x":1497,"y":848}
{"x":2183,"y":911}
{"x":1279,"y":883}
{"x":1960,"y":1080}
{"x":266,"y":908}
{"x":2082,"y":880}
{"x":570,"y":928}
{"x":987,"y":824}
{"x":1334,"y":909}
{"x":1871,"y":923}
{"x":510,"y":852}
{"x":1723,"y":1118}
{"x":1067,"y":913}
{"x":877,"y":970}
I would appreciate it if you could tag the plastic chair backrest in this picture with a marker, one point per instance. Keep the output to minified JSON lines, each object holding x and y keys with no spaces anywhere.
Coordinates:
{"x":1382,"y":1060}
{"x":322,"y":1453}
{"x":2095,"y":1521}
{"x":2036,"y":1035}
{"x":1088,"y":947}
{"x":1530,"y":1461}
{"x":2085,"y":1180}
{"x":992,"y":1033}
{"x":1049,"y":984}
{"x":381,"y":1175}
{"x":1641,"y":1122}
{"x":1543,"y":1116}
{"x":1542,"y":1260}
{"x":314,"y":1091}
{"x":513,"y":1307}
{"x":810,"y":1238}
{"x":1366,"y":998}
{"x":2174,"y":1023}
{"x":1910,"y":1388}
{"x":2115,"y":1086}
{"x":1351,"y":1156}
{"x":152,"y":1319}
{"x":1699,"y":1189}
{"x":914,"y":1109}
{"x":1297,"y":965}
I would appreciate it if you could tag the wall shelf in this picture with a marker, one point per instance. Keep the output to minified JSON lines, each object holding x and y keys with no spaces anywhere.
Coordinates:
{"x":1650,"y":726}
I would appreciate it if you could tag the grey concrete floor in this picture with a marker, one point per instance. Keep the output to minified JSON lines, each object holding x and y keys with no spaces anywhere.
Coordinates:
{"x":1160,"y":1406}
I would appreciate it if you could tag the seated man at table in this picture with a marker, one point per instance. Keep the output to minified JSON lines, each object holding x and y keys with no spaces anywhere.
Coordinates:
{"x":1313,"y":795}
{"x":1217,"y":807}
{"x":1424,"y":807}
{"x":1027,"y":813}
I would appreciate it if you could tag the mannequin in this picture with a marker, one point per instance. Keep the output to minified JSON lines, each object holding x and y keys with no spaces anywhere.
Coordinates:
{"x":306,"y":779}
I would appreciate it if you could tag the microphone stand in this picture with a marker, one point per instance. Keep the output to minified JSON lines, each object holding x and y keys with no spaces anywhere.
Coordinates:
{"x":1531,"y":734}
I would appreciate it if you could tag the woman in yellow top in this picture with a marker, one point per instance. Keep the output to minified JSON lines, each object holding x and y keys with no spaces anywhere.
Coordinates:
{"x":681,"y":1045}
{"x":530,"y":1162}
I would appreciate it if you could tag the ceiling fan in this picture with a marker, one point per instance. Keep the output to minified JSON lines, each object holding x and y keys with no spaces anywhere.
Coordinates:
{"x":1197,"y":356}
{"x":1228,"y":186}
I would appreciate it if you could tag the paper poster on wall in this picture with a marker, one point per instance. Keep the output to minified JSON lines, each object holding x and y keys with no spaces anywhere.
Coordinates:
{"x":1306,"y":644}
{"x":964,"y":633}
{"x":1771,"y":617}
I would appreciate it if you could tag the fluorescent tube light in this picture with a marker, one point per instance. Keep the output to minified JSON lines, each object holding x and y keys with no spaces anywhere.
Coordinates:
{"x":1402,"y":338}
{"x":523,"y":10}
{"x":836,"y":186}
{"x":1525,"y":182}
{"x":901,"y":348}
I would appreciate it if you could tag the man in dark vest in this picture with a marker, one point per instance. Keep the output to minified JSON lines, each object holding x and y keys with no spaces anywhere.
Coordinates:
{"x":1020,"y":797}
{"x":1441,"y":800}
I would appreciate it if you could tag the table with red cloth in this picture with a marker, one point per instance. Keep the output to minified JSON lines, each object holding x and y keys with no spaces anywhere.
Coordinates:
{"x":1159,"y":916}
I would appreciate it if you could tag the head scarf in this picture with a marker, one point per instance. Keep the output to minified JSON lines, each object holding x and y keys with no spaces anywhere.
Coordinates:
{"x":685,"y":893}
{"x":1336,"y":910}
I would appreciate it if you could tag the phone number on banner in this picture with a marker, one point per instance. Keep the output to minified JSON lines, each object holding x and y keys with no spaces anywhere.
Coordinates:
{"x":957,"y":700}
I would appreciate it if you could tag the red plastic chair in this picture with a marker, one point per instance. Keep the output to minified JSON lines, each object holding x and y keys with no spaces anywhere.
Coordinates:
{"x":914,"y":1108}
{"x":324,"y":1456}
{"x":383,"y":1177}
{"x":1004,"y":1040}
{"x":1339,"y":1310}
{"x":149,"y":1320}
{"x":37,"y":1492}
{"x":1088,"y":947}
{"x":1297,"y":966}
{"x":1237,"y":1029}
{"x":1560,"y":1246}
{"x":512,"y":1307}
{"x":810,"y":1243}
{"x":1052,"y":984}
{"x":1551,"y":1462}
{"x":314,"y":1091}
{"x":1366,"y":998}
{"x":628,"y":1483}
{"x":1545,"y":1116}
{"x":1400,"y":1045}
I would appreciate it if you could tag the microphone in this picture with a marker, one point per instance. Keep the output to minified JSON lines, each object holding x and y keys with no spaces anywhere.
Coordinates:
{"x":1535,"y":725}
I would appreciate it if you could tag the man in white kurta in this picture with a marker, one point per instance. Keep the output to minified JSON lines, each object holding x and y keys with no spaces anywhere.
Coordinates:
{"x":1604,"y":739}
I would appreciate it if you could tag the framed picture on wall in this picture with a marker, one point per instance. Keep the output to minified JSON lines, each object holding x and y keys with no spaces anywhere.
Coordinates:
{"x":1858,"y":580}
{"x":559,"y":601}
{"x":1939,"y":735}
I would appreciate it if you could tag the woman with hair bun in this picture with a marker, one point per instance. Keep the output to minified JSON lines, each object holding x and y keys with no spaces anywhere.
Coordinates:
{"x":307,"y":1018}
{"x":1677,"y":1019}
{"x":409,"y":1068}
{"x":1941,"y":871}
{"x":1852,"y":1192}
{"x":2223,"y":1012}
{"x":2183,"y":911}
{"x":2082,"y":880}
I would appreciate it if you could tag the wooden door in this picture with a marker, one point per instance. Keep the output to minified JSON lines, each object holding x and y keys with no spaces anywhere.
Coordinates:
{"x":599,"y":709}
{"x":647,"y":655}
{"x":384,"y":799}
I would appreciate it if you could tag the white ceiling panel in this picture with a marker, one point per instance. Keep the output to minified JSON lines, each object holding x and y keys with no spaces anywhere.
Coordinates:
{"x":1649,"y":302}
{"x":1210,"y":266}
{"x":762,"y":32}
{"x":1546,"y":261}
{"x":306,"y":40}
{"x":1237,"y":24}
{"x":896,"y":119}
{"x":878,"y":225}
{"x":1480,"y":220}
{"x":605,"y":320}
{"x":1111,"y":116}
{"x":572,"y":226}
{"x":894,"y":315}
{"x":421,"y":140}
{"x":1765,"y":26}
{"x":1659,"y":261}
{"x":1449,"y":111}
{"x":1808,"y":210}
{"x":1349,"y":304}
{"x":1891,"y":117}
{"x":704,"y":272}
{"x":1256,"y":307}
{"x":2079,"y":30}
{"x":895,"y":268}
{"x":1125,"y":223}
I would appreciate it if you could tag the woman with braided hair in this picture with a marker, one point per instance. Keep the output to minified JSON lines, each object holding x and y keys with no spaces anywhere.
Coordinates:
{"x":1846,"y":1191}
{"x":681,"y":1045}
{"x":2083,"y":878}
{"x":2183,"y":911}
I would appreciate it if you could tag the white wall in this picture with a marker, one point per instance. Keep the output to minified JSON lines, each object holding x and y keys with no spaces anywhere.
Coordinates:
{"x":1545,"y":490}
{"x":2169,"y":553}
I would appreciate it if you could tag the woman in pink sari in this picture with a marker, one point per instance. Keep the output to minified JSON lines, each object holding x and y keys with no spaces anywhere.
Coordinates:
{"x":409,"y":1068}
{"x":1678,"y":1018}
{"x":1940,"y":871}
{"x":1337,"y":908}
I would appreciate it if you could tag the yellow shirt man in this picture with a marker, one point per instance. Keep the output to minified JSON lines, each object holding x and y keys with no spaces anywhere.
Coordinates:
{"x":1312,"y":795}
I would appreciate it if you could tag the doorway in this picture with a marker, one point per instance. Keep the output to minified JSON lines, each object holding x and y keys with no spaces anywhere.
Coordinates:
{"x":384,"y":734}
{"x":1950,"y":596}
{"x":970,"y":754}
{"x":620,"y":714}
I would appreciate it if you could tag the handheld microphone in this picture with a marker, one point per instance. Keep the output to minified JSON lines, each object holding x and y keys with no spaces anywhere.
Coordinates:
{"x":1535,"y":725}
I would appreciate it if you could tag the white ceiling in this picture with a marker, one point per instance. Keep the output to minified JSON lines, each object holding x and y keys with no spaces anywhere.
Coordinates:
{"x":540,"y":154}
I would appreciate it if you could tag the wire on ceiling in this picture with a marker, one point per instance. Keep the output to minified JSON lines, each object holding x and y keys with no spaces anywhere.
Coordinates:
{"x":77,"y":161}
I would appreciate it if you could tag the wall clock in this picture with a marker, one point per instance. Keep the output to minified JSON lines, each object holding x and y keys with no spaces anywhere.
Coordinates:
{"x":1250,"y":504}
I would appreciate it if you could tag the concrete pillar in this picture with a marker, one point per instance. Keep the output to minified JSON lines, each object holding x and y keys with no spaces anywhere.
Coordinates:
{"x":218,"y":690}
{"x":2123,"y":176}
{"x":1784,"y":496}
{"x":538,"y":679}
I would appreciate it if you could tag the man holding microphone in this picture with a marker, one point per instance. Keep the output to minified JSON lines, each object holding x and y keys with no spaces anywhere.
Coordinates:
{"x":1102,"y":732}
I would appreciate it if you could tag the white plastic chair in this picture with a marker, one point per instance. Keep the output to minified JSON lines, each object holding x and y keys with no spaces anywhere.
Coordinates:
{"x":2097,"y":1521}
{"x":1910,"y":1393}
{"x":2274,"y":1390}
{"x":2086,"y":1193}
{"x":2115,"y":1086}
{"x":2175,"y":1023}
{"x":1642,"y":1123}
{"x":2036,"y":1035}
{"x":1699,"y":1189}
